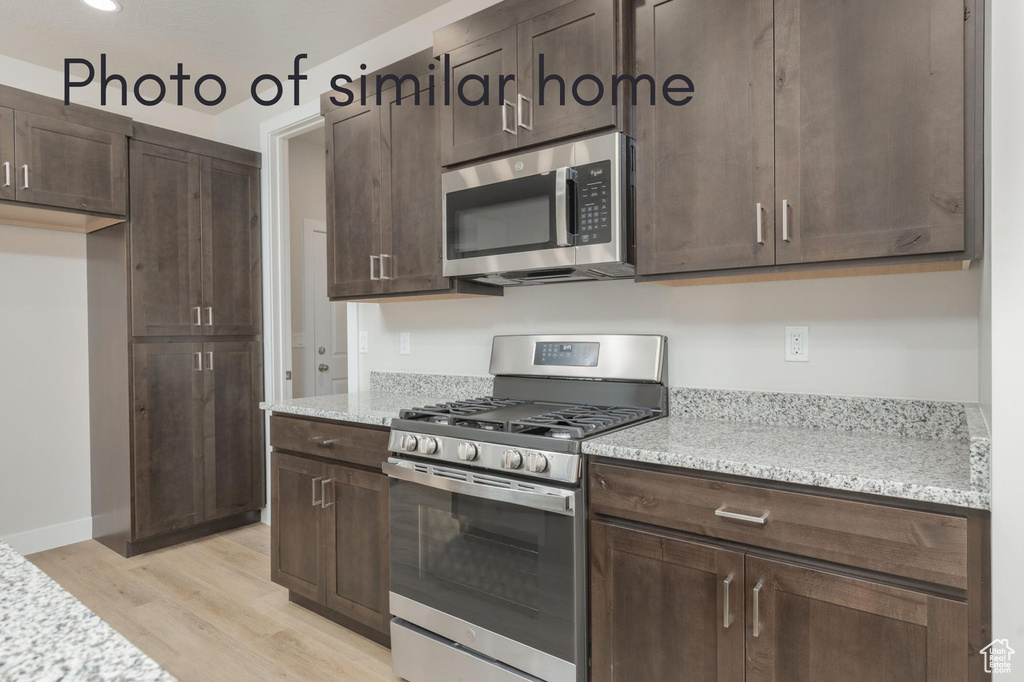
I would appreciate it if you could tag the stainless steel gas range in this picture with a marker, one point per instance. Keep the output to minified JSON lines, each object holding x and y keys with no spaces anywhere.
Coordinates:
{"x":488,"y":509}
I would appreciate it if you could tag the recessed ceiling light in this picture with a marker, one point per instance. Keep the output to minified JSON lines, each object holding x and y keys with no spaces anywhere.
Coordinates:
{"x":104,"y":5}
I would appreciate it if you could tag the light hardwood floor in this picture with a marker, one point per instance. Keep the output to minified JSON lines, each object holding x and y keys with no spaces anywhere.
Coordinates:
{"x":206,"y":610}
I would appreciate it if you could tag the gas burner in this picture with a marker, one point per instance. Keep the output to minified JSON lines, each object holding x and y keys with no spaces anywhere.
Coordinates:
{"x":579,"y":421}
{"x":443,"y":412}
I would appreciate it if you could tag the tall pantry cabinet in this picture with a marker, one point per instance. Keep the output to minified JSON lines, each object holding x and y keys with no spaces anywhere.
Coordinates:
{"x":175,"y":347}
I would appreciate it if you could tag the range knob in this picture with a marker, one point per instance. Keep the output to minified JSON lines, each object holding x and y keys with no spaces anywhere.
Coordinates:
{"x":467,"y":452}
{"x":511,"y":459}
{"x":428,"y":445}
{"x":408,"y":443}
{"x":536,"y":463}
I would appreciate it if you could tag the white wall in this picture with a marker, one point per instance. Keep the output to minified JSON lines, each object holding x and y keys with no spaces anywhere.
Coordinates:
{"x":45,"y":497}
{"x":1006,"y":215}
{"x":907,"y":336}
{"x":307,"y":189}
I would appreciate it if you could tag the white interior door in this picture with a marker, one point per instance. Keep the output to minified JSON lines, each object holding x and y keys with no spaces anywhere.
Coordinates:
{"x":327,"y":353}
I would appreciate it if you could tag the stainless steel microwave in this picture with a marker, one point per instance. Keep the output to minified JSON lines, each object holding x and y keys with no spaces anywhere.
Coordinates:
{"x":557,"y":214}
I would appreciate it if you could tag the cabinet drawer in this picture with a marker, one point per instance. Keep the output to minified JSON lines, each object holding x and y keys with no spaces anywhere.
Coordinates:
{"x":358,"y":445}
{"x":913,"y":544}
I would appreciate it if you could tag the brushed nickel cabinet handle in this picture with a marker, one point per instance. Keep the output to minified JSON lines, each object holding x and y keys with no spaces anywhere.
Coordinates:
{"x":519,"y":111}
{"x":25,"y":168}
{"x":505,"y":106}
{"x":209,"y":360}
{"x":209,"y":317}
{"x":391,"y":266}
{"x":785,"y":220}
{"x":760,"y":228}
{"x":726,"y":611}
{"x":316,"y":502}
{"x":725,"y":514}
{"x":198,"y":312}
{"x":323,"y":494}
{"x":373,"y":259}
{"x":325,"y":442}
{"x":757,"y":608}
{"x":7,"y":173}
{"x":198,"y":365}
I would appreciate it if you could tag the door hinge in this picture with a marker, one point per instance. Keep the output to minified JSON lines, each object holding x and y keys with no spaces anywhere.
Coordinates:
{"x":967,"y":13}
{"x":288,"y":375}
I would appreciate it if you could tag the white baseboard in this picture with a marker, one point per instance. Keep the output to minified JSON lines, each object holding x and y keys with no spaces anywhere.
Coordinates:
{"x":42,"y":539}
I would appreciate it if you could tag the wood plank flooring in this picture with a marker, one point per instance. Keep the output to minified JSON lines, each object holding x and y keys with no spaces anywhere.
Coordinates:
{"x":206,"y":610}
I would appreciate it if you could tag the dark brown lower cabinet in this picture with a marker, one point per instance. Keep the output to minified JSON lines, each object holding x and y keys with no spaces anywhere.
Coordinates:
{"x":663,"y":608}
{"x":329,"y":521}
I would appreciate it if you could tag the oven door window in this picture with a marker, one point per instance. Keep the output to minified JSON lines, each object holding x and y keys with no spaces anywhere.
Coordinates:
{"x":499,"y":566}
{"x":504,"y":217}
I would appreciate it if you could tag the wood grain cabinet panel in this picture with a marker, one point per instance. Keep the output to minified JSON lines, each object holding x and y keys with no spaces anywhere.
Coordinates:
{"x":663,"y":608}
{"x":869,"y":128}
{"x":812,"y":625}
{"x":167,"y":425}
{"x":166,"y":279}
{"x":232,"y":253}
{"x":704,"y":168}
{"x":67,"y":165}
{"x":8,"y":170}
{"x":297,"y":525}
{"x":233,"y":427}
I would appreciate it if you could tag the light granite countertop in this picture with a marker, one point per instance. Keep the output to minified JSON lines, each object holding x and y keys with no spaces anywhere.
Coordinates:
{"x":951,"y":471}
{"x":47,"y":635}
{"x":376,"y":408}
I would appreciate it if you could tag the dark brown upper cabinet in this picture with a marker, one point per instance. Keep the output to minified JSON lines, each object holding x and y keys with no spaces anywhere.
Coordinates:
{"x":384,"y":235}
{"x":869,"y":128}
{"x":581,"y":37}
{"x":819,"y":136}
{"x":63,"y":167}
{"x":705,"y":175}
{"x":195,"y":240}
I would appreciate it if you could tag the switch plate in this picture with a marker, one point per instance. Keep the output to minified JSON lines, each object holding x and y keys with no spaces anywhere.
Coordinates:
{"x":364,"y":342}
{"x":405,"y":344}
{"x":798,"y":344}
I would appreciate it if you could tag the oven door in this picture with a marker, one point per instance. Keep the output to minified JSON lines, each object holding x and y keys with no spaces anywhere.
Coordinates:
{"x":510,"y":215}
{"x":492,"y":564}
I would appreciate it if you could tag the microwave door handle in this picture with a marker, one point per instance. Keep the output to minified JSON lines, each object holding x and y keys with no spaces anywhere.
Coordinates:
{"x":563,"y":176}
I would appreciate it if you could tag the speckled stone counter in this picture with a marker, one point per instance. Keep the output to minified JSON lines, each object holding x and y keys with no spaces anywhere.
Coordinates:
{"x":918,"y":450}
{"x":48,"y":635}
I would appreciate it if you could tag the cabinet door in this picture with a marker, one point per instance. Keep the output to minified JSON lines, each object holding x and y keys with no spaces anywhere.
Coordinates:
{"x":8,"y":171}
{"x":353,"y":202}
{"x":411,"y":198}
{"x":167,"y":424}
{"x":296,"y":525}
{"x":575,"y":39}
{"x":358,"y":577}
{"x":703,"y":168}
{"x":233,"y":427}
{"x":663,"y":608}
{"x":232,"y":255}
{"x":806,"y":625}
{"x":166,"y":263}
{"x":869,"y":128}
{"x":67,"y":165}
{"x":472,"y":131}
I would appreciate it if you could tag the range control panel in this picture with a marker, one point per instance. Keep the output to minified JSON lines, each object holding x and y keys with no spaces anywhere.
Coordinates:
{"x":576,"y":354}
{"x":593,"y":203}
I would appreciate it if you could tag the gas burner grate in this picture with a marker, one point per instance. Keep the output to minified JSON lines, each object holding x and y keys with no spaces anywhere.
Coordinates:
{"x":455,"y":411}
{"x":579,"y":421}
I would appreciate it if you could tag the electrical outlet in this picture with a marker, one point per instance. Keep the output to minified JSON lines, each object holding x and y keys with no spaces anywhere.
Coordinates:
{"x":364,"y":342}
{"x":405,"y":344}
{"x":798,"y":344}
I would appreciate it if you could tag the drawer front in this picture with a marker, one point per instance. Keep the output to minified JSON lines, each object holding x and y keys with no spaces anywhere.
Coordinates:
{"x":913,"y":544}
{"x":353,"y":444}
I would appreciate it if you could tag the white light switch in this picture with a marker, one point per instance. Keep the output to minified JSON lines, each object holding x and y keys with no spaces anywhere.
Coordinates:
{"x":798,"y":344}
{"x":405,"y":344}
{"x":364,"y":342}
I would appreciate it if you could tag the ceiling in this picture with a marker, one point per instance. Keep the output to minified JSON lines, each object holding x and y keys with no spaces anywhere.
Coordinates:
{"x":234,"y":39}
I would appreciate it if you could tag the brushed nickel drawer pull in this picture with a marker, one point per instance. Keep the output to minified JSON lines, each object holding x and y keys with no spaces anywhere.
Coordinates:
{"x":760,"y":230}
{"x":373,"y":259}
{"x":757,"y":608}
{"x":209,"y":360}
{"x":199,"y":362}
{"x":7,"y":173}
{"x":785,"y":220}
{"x":726,"y":611}
{"x":25,"y":168}
{"x":325,"y":442}
{"x":759,"y":520}
{"x":505,"y":106}
{"x":317,"y":502}
{"x":519,"y":111}
{"x":199,"y":317}
{"x":323,"y":494}
{"x":209,"y":317}
{"x":384,"y":261}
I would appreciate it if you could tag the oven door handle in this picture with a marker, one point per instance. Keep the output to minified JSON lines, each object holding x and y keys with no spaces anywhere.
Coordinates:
{"x":564,"y":177}
{"x":556,"y":500}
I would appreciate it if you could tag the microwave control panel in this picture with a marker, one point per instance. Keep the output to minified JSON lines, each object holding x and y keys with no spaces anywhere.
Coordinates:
{"x":593,"y":203}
